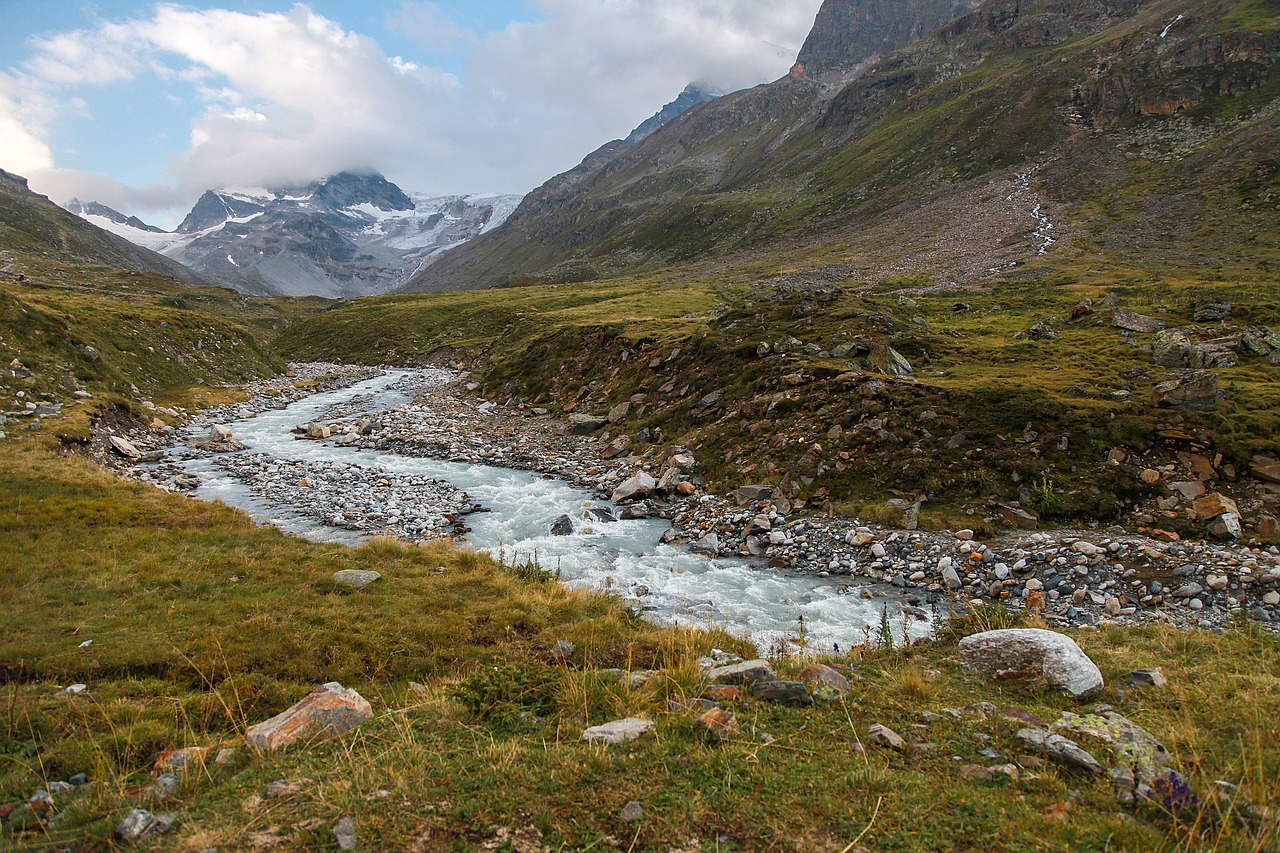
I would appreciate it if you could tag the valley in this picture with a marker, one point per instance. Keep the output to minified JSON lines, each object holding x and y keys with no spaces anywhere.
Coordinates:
{"x":665,"y":510}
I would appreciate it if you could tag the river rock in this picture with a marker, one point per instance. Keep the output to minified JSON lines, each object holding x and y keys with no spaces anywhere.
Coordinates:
{"x":356,"y":578}
{"x":1032,"y":656}
{"x":326,"y":712}
{"x":125,"y":447}
{"x":619,"y":731}
{"x":708,"y":546}
{"x":640,"y":486}
{"x":1191,"y":390}
{"x":562,"y":526}
{"x":318,"y":432}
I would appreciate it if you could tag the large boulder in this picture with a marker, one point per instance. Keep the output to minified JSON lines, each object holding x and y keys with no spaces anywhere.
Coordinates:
{"x":640,"y":486}
{"x":583,"y":424}
{"x":746,"y":672}
{"x":326,"y":712}
{"x":1123,"y":318}
{"x":888,"y":360}
{"x":1033,"y":657}
{"x":1171,"y":348}
{"x":1191,"y":390}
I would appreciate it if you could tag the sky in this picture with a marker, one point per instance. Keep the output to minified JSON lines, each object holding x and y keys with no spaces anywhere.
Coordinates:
{"x":143,"y":105}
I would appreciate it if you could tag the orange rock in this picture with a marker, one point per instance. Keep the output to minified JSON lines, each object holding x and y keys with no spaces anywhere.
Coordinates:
{"x":824,"y":682}
{"x":718,"y":723}
{"x":1150,"y":476}
{"x":723,"y":693}
{"x":1165,"y":535}
{"x":1214,"y":505}
{"x":326,"y":712}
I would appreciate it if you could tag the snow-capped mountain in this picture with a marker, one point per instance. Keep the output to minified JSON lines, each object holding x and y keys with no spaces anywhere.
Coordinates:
{"x":347,"y":235}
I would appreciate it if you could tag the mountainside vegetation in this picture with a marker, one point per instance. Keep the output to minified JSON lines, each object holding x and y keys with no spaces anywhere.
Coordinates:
{"x":1116,"y":119}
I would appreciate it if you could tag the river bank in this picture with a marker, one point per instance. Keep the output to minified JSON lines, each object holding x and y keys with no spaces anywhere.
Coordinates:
{"x":1074,"y":577}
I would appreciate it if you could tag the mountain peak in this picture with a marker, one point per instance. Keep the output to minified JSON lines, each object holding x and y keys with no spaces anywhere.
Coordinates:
{"x":93,"y":208}
{"x":693,"y":95}
{"x":848,"y":35}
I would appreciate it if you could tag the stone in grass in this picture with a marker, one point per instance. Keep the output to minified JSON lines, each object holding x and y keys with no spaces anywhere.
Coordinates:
{"x":619,"y":731}
{"x":633,"y":811}
{"x":1143,"y":678}
{"x":881,"y":735}
{"x":824,"y":683}
{"x":1034,"y":657}
{"x":165,"y":787}
{"x":1139,"y":762}
{"x":344,"y":832}
{"x":1063,"y":750}
{"x":747,"y":672}
{"x":791,"y":693}
{"x":356,"y":578}
{"x":326,"y":712}
{"x":140,"y":824}
{"x":718,"y":723}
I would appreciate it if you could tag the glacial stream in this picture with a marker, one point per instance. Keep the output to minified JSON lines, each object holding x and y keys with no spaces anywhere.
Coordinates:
{"x":668,"y":584}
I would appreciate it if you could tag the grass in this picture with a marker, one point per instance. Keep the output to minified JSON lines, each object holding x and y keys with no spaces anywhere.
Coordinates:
{"x":475,"y":738}
{"x":977,"y":376}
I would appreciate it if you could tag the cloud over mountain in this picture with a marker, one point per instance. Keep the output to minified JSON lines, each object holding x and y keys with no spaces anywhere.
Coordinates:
{"x":276,"y":98}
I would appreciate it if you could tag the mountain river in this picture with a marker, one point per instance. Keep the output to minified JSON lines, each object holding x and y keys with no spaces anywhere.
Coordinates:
{"x":668,"y":584}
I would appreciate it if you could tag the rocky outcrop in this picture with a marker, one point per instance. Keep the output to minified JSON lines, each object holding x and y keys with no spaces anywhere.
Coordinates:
{"x":848,"y":35}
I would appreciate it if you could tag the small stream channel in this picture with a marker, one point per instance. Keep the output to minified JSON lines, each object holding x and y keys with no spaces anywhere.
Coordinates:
{"x":668,"y":584}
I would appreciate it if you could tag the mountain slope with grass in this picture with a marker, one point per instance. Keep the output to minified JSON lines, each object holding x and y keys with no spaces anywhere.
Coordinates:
{"x":30,"y":223}
{"x":1096,"y":125}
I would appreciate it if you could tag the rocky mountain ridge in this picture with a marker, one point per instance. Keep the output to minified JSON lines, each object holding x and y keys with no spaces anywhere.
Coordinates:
{"x":347,"y":235}
{"x":1070,"y":108}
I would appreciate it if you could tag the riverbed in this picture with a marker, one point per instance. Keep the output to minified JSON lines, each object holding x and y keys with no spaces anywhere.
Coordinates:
{"x":510,"y":514}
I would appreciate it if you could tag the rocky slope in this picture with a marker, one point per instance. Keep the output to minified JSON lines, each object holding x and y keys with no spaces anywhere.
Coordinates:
{"x":1103,"y":122}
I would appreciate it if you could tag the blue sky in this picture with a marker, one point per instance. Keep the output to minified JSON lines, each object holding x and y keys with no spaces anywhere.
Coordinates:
{"x":143,"y":105}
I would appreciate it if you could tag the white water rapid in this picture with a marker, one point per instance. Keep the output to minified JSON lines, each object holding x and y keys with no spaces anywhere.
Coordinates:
{"x":668,"y":584}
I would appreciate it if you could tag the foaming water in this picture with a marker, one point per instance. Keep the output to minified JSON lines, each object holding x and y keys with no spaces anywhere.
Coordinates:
{"x":668,"y":584}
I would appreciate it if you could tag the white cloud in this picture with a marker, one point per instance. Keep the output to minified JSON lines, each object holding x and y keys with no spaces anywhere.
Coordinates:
{"x":22,"y":150}
{"x":292,"y":96}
